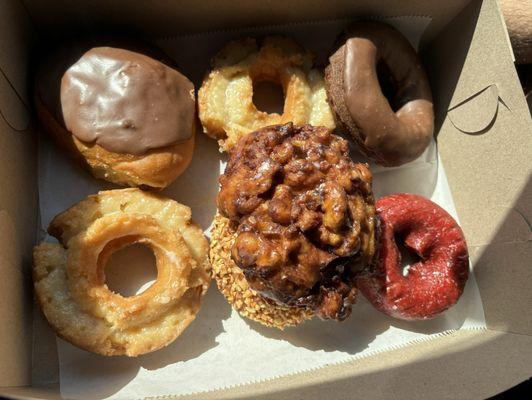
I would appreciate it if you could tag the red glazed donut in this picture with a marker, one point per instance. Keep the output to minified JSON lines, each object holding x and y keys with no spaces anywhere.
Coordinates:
{"x":432,"y":284}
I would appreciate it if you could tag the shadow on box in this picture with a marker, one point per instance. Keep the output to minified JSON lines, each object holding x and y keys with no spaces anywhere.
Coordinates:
{"x":444,"y":59}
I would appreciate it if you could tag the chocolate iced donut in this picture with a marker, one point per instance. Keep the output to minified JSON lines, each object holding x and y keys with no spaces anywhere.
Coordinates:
{"x":126,"y":102}
{"x":380,"y":93}
{"x":119,"y":107}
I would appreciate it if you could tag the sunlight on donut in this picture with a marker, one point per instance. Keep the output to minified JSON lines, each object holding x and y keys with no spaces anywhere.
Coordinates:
{"x":131,"y":270}
{"x":268,"y":97}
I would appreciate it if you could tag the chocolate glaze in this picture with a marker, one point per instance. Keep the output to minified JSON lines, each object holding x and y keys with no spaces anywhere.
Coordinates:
{"x":394,"y":137}
{"x":126,"y":102}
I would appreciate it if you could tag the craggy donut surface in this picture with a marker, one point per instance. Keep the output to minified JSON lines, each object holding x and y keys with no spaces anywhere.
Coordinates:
{"x":391,"y":124}
{"x":233,"y":284}
{"x":225,"y":100}
{"x":437,"y":280}
{"x":297,"y":224}
{"x":69,"y":277}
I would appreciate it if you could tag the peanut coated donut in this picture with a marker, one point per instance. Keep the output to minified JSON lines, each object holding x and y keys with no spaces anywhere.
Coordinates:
{"x":392,"y":124}
{"x":233,"y":284}
{"x":225,"y":100}
{"x":69,"y":277}
{"x":437,"y":280}
{"x":296,"y":225}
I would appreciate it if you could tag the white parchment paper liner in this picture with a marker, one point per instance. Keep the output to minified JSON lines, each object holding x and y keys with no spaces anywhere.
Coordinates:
{"x":220,"y":349}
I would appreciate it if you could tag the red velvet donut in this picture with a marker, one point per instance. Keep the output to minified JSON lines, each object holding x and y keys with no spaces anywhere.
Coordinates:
{"x":432,"y":284}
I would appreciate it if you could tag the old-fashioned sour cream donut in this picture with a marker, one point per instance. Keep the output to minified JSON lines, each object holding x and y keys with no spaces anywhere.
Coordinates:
{"x":69,"y":276}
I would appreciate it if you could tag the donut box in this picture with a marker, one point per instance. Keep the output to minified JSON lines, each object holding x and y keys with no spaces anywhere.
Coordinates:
{"x":483,"y":130}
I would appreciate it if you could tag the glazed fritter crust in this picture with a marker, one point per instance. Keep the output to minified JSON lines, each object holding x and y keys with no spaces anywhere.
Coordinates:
{"x":305,"y":215}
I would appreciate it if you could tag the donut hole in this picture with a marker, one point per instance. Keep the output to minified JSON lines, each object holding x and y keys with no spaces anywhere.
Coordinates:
{"x":268,"y":96}
{"x":130,"y":270}
{"x":408,"y":256}
{"x":388,"y":85}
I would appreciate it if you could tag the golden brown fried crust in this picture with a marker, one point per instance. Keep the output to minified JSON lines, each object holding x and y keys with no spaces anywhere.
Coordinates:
{"x":157,"y":168}
{"x":234,"y":287}
{"x":70,"y":283}
{"x":225,"y":99}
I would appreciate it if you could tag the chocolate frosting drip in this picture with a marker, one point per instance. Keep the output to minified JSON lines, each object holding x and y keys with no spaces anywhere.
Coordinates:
{"x":126,"y":102}
{"x":393,"y":137}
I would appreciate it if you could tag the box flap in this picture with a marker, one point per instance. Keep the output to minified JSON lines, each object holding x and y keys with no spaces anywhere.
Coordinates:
{"x":12,"y":108}
{"x":484,"y":105}
{"x":18,"y":199}
{"x":49,"y":392}
{"x":18,"y":215}
{"x":485,"y":142}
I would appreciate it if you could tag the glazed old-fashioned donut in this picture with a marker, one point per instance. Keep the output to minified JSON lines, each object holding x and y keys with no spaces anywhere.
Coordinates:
{"x":69,"y":276}
{"x":225,"y":99}
{"x":392,"y":123}
{"x":432,"y":284}
{"x":296,"y":226}
{"x":127,"y":117}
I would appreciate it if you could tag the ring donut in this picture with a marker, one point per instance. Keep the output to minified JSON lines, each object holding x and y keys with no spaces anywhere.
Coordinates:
{"x":225,"y":99}
{"x":437,"y":280}
{"x":69,"y":277}
{"x":390,"y":132}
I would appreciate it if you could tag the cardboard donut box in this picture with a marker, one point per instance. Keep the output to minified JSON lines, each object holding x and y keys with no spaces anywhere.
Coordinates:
{"x":484,"y":134}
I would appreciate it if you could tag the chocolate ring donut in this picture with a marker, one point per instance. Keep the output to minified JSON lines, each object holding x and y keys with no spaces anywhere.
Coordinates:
{"x":390,"y":132}
{"x":437,"y":280}
{"x":119,"y":107}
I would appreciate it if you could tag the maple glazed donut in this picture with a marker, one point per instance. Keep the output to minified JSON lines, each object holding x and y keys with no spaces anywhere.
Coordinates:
{"x":392,"y":123}
{"x":296,"y":225}
{"x":126,"y":117}
{"x":69,"y":276}
{"x":225,"y":99}
{"x":432,"y":284}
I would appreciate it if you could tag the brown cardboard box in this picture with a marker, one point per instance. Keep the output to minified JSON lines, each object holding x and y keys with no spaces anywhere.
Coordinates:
{"x":485,"y":140}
